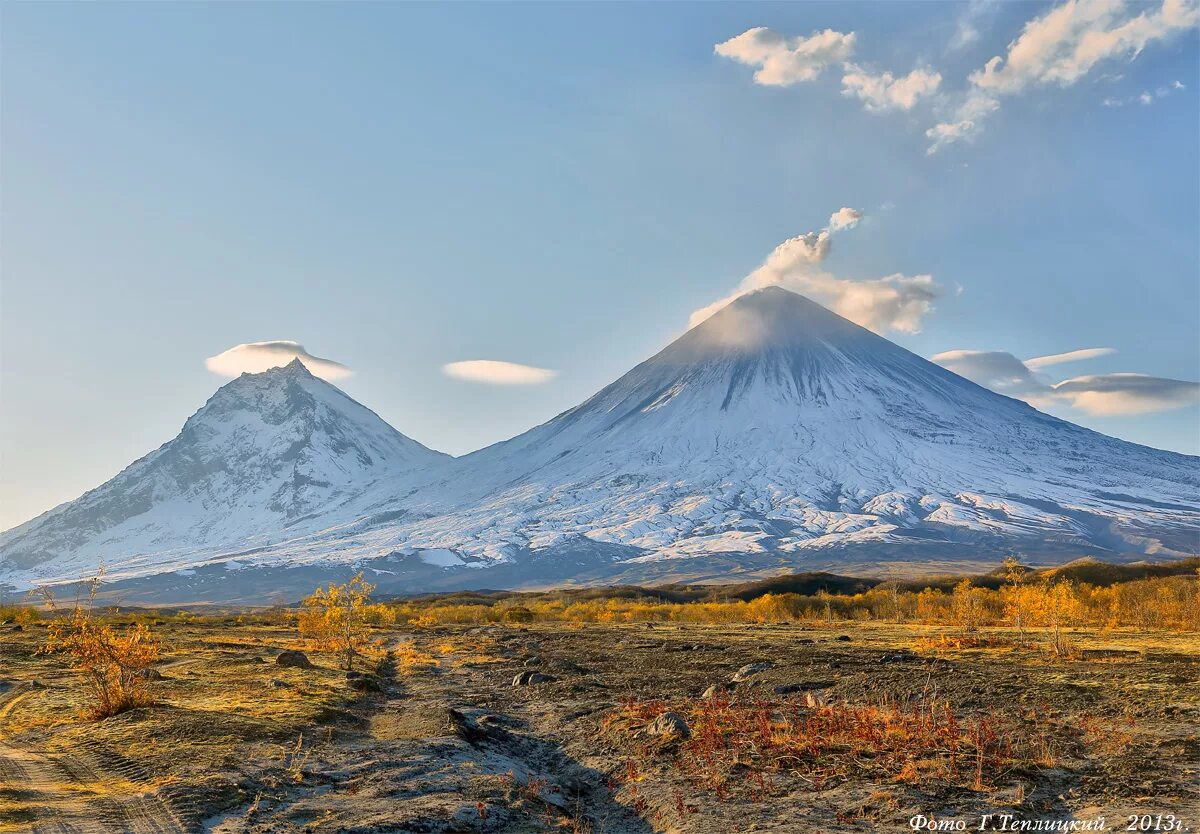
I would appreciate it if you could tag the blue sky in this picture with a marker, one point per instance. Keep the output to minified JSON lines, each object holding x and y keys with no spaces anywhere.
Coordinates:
{"x":403,"y":186}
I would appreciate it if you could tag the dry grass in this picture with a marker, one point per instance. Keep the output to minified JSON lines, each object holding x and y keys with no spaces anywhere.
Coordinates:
{"x":961,"y":724}
{"x":469,"y":652}
{"x":957,"y":642}
{"x":409,"y":658}
{"x":740,"y":746}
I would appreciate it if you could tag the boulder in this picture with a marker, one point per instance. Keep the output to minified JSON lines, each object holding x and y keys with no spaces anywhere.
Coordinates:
{"x":669,"y":725}
{"x":463,"y":727}
{"x":291,"y":659}
{"x":715,"y":690}
{"x":531,"y":677}
{"x":750,"y":670}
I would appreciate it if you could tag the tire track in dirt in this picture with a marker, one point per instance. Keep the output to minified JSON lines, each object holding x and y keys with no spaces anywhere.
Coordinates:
{"x":70,"y":794}
{"x":10,"y":699}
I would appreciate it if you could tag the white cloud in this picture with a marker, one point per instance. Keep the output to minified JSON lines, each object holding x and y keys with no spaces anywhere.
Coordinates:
{"x":844,"y":218}
{"x":995,"y":369}
{"x":1119,"y":394}
{"x":1064,"y":44}
{"x":968,"y":120}
{"x":783,"y":61}
{"x":894,"y":302}
{"x":1100,"y":394}
{"x":495,"y":372}
{"x":256,"y":357}
{"x":1059,"y":48}
{"x":1039,"y":362}
{"x":1146,"y":97}
{"x":884,"y":92}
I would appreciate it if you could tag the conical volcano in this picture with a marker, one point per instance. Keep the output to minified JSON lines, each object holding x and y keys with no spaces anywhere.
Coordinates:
{"x":260,"y":458}
{"x":777,"y":426}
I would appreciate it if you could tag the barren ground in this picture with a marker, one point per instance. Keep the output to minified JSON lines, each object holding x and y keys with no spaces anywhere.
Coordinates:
{"x":239,"y":744}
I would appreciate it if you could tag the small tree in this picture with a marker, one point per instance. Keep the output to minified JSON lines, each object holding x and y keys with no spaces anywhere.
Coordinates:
{"x":1059,"y":608}
{"x":1017,"y":599}
{"x":894,"y":603}
{"x":335,"y":617}
{"x":1014,"y":571}
{"x":824,"y":596}
{"x":967,"y":606}
{"x":932,"y":606}
{"x":113,"y":663}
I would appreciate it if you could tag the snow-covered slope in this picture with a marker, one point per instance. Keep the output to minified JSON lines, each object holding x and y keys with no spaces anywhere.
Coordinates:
{"x":779,"y":426}
{"x":772,"y":434}
{"x":264,"y":454}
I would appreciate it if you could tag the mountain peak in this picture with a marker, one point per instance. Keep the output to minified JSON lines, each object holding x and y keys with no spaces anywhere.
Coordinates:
{"x":293,"y":369}
{"x":264,"y":453}
{"x":778,"y":307}
{"x":771,"y":317}
{"x":773,"y":292}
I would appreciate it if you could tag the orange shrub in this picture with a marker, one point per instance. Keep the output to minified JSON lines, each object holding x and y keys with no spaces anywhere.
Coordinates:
{"x":113,"y":663}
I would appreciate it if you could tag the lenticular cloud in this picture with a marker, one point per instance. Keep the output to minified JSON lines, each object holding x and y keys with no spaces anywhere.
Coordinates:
{"x":496,"y":372}
{"x":255,"y":357}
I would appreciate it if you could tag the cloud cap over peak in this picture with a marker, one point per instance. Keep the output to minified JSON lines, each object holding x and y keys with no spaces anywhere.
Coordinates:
{"x":256,"y":357}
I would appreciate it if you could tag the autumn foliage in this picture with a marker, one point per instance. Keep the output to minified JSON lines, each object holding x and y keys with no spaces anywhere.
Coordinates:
{"x":740,"y":746}
{"x":1046,"y":603}
{"x":335,"y":618}
{"x":114,"y":663}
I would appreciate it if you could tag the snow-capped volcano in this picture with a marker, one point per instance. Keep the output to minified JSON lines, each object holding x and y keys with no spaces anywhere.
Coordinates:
{"x":778,"y":426}
{"x":263,"y":455}
{"x":774,"y":434}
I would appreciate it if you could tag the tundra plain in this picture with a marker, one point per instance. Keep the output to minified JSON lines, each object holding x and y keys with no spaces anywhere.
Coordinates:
{"x":604,"y":727}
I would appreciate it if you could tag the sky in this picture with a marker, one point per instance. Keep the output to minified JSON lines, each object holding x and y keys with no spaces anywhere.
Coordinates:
{"x":476,"y":216}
